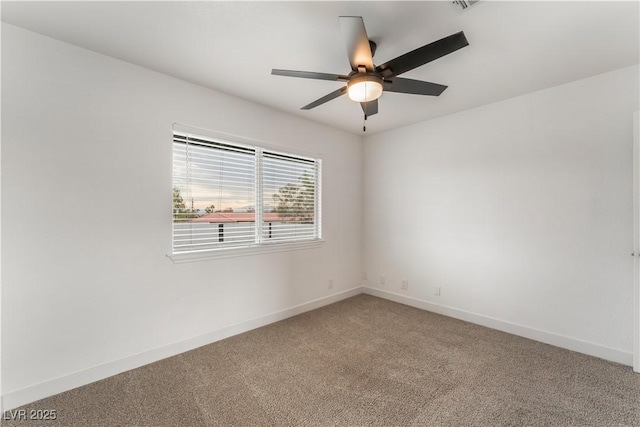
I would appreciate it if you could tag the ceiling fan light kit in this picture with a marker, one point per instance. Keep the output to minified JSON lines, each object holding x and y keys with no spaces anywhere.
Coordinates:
{"x":365,"y":88}
{"x":366,"y":82}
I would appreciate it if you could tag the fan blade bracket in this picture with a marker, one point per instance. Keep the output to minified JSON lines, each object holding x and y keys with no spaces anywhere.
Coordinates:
{"x":385,"y":72}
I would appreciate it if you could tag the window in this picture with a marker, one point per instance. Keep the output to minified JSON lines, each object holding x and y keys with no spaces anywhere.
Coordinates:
{"x":232,"y":195}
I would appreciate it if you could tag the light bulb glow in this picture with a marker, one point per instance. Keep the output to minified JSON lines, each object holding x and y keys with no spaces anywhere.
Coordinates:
{"x":365,"y":88}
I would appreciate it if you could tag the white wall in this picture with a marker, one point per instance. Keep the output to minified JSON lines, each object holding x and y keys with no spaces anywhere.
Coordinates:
{"x":521,"y":211}
{"x":86,"y":210}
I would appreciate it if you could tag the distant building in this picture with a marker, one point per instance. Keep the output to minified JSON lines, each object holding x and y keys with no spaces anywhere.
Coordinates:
{"x":229,"y":217}
{"x":237,"y":228}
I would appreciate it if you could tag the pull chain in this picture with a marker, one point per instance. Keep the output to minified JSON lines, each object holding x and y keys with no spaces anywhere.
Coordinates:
{"x":364,"y":124}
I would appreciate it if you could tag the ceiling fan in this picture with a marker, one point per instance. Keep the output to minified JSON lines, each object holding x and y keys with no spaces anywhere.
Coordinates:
{"x":366,"y":81}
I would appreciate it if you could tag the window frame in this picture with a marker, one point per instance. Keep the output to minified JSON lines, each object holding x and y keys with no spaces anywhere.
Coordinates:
{"x":259,"y":246}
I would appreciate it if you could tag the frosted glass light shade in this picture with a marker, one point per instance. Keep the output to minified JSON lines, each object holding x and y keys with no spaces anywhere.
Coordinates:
{"x":365,"y":88}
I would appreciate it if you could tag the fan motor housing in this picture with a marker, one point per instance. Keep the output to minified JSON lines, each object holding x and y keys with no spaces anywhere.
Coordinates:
{"x":364,"y":77}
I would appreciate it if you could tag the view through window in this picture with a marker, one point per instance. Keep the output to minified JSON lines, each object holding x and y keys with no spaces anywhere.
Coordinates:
{"x":228,"y":194}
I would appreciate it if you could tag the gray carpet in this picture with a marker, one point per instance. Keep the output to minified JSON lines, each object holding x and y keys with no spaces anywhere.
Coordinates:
{"x":361,"y":362}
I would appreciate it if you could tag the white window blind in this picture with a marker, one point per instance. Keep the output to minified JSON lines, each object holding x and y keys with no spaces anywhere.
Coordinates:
{"x":229,"y":195}
{"x":290,"y":184}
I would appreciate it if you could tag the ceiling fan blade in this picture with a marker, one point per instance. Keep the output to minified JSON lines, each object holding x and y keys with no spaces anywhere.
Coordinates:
{"x":416,"y":87}
{"x":370,"y":108}
{"x":422,"y":55}
{"x":357,"y":42}
{"x":310,"y":75}
{"x":326,"y":98}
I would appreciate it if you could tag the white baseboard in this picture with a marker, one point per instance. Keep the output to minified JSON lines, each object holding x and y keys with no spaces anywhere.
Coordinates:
{"x":569,"y":343}
{"x":16,"y":398}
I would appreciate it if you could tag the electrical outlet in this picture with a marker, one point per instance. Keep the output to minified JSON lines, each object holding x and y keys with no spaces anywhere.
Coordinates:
{"x":382,"y":280}
{"x":404,"y":285}
{"x":436,"y":290}
{"x":330,"y":284}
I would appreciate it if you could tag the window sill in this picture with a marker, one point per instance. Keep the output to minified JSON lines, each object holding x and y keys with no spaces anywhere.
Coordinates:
{"x":243,"y":251}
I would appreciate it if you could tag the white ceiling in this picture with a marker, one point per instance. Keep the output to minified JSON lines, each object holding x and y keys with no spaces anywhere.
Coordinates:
{"x":515,"y":47}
